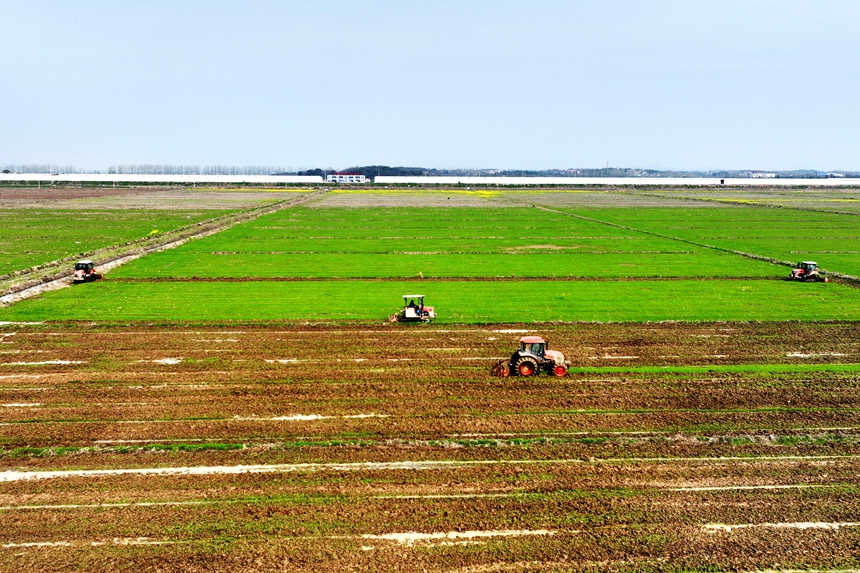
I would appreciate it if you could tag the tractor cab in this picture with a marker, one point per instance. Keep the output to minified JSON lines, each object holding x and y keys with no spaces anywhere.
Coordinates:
{"x":533,"y":345}
{"x":808,"y":266}
{"x":414,"y":310}
{"x":86,"y":266}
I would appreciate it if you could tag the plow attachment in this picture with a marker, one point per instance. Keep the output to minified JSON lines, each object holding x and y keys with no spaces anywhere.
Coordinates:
{"x":501,"y":369}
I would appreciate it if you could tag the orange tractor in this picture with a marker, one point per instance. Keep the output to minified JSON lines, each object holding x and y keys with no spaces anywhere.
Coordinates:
{"x":807,"y":271}
{"x":532,"y":357}
{"x":85,"y":272}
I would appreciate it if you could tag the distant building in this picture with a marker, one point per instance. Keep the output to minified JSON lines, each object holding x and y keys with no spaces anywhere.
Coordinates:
{"x":763,"y":175}
{"x":836,"y":175}
{"x":345,"y":177}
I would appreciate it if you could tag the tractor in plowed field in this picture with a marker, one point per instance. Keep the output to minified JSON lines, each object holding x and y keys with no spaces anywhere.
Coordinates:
{"x":807,"y":271}
{"x":85,"y":272}
{"x":531,"y":358}
{"x":414,"y":310}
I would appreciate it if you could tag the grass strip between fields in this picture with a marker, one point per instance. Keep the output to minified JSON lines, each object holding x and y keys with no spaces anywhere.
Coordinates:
{"x":455,"y":302}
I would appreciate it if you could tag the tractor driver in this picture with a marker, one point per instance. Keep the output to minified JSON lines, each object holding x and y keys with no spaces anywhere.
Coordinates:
{"x":412,"y":304}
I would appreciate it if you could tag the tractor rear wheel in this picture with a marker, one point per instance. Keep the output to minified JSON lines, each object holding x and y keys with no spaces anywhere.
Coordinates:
{"x":559,"y":370}
{"x":527,"y":367}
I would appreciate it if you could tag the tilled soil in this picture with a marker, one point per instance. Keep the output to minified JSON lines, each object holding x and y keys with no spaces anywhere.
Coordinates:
{"x":58,"y":193}
{"x":148,"y":197}
{"x":728,"y":446}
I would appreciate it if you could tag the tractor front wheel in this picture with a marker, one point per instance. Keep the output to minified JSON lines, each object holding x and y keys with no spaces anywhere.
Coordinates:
{"x":559,"y":370}
{"x":527,"y":367}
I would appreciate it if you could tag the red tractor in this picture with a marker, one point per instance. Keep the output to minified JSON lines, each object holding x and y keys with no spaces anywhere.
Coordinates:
{"x":807,"y":271}
{"x":532,"y":357}
{"x":85,"y":272}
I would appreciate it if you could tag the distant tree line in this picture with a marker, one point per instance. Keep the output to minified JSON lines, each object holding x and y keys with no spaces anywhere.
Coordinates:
{"x":372,"y":171}
{"x":375,"y":170}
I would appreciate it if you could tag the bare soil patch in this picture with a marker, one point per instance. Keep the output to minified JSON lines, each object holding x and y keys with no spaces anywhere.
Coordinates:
{"x":137,"y":198}
{"x":410,"y":198}
{"x":50,"y":193}
{"x":609,"y":198}
{"x":391,"y":447}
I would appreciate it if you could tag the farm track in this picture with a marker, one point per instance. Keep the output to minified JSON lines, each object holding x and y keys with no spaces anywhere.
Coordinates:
{"x":677,"y":446}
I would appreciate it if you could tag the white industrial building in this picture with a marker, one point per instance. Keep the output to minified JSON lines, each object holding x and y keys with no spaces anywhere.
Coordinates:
{"x":345,"y":178}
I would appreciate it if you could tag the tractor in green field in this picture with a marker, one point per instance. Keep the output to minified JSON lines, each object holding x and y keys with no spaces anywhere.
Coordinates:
{"x":807,"y":271}
{"x":85,"y":272}
{"x":414,"y":310}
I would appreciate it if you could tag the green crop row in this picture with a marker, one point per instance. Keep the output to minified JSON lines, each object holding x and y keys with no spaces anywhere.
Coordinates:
{"x":456,"y":302}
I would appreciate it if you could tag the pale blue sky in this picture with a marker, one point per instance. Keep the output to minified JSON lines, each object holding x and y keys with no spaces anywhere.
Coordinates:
{"x":681,"y":84}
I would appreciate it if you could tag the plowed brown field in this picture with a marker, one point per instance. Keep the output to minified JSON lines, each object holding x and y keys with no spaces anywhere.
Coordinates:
{"x":669,"y":447}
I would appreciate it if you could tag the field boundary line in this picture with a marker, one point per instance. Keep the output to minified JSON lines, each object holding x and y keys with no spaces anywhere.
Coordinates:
{"x":849,"y":279}
{"x":415,"y":465}
{"x":115,"y":255}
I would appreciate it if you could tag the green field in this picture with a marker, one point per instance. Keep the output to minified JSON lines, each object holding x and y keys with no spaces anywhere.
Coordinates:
{"x":30,"y":237}
{"x":610,"y":264}
{"x":437,"y":242}
{"x":830,"y":239}
{"x":457,"y":302}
